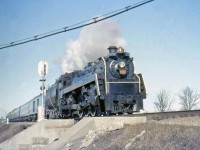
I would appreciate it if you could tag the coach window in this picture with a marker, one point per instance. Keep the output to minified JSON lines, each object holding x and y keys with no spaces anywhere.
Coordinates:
{"x":33,"y":106}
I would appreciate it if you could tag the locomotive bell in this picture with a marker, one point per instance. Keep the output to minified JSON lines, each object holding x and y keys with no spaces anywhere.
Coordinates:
{"x":120,"y":50}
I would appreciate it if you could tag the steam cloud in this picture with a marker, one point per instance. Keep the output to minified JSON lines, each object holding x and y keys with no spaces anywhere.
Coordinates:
{"x":91,"y":44}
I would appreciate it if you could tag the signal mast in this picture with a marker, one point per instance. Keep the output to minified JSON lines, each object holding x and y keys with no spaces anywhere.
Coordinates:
{"x":42,"y":71}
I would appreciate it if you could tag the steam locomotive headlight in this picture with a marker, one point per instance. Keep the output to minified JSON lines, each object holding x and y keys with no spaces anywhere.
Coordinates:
{"x":122,"y":64}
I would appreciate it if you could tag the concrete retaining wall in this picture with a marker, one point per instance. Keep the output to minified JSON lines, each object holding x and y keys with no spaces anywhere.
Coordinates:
{"x":41,"y":131}
{"x":102,"y":122}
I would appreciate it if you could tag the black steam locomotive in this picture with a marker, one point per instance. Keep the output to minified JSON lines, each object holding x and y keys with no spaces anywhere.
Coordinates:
{"x":106,"y":86}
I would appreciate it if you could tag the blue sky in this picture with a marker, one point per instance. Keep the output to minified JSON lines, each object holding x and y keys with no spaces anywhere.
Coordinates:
{"x":162,"y":36}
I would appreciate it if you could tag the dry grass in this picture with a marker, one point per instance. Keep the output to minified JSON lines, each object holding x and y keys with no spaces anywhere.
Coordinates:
{"x":7,"y":131}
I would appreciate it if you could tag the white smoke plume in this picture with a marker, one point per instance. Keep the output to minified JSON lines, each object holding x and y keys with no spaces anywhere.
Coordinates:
{"x":91,"y":44}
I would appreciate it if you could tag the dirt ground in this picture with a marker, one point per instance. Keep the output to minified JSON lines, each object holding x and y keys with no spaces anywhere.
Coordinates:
{"x":7,"y":131}
{"x":170,"y":134}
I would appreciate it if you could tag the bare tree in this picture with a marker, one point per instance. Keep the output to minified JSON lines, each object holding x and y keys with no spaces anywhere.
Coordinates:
{"x":189,"y":98}
{"x":163,"y":101}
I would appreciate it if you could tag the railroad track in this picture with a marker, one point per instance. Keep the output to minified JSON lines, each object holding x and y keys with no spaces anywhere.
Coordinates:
{"x":169,"y":114}
{"x":160,"y":115}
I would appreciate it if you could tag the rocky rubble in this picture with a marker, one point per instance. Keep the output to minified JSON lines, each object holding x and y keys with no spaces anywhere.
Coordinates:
{"x":169,"y":134}
{"x":90,"y":137}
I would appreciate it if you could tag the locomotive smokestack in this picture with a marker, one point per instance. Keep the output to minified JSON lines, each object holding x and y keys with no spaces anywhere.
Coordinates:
{"x":112,"y":49}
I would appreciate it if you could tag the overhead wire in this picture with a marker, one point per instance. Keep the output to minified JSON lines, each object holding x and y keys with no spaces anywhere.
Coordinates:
{"x":76,"y":25}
